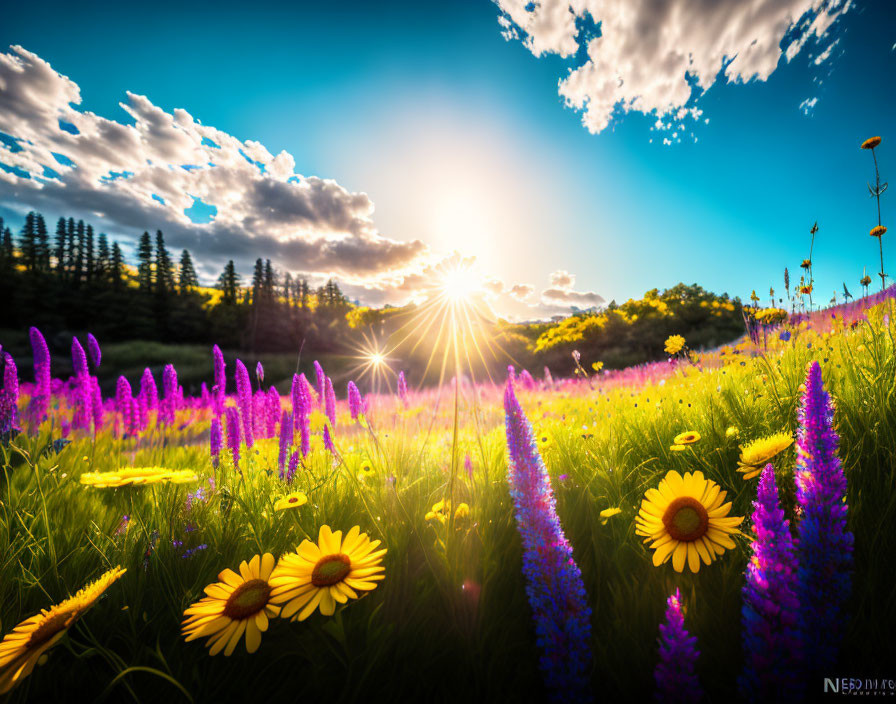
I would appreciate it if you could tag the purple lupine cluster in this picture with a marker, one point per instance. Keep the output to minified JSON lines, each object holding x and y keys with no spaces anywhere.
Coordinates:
{"x":170,"y":396}
{"x":301,"y":409}
{"x":823,"y":543}
{"x":675,"y":674}
{"x":149,"y":391}
{"x":82,"y":389}
{"x":233,"y":434}
{"x":286,"y":436}
{"x":321,"y":382}
{"x":526,"y":380}
{"x":220,"y":387}
{"x":553,"y":580}
{"x":244,"y":397}
{"x":40,"y":398}
{"x":548,"y":379}
{"x":9,"y":395}
{"x":330,"y":402}
{"x":328,"y":441}
{"x":96,"y":354}
{"x":772,"y":645}
{"x":294,"y":460}
{"x":355,"y":402}
{"x":273,"y":412}
{"x":402,"y":389}
{"x":214,"y":441}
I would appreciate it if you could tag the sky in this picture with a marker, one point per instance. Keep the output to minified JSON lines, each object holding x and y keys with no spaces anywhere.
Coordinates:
{"x":580,"y":151}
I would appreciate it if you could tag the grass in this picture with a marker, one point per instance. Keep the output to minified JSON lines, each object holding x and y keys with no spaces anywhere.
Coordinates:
{"x":452,"y":624}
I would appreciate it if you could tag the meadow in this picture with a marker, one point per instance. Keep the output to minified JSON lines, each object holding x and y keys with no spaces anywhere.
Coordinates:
{"x":450,"y":616}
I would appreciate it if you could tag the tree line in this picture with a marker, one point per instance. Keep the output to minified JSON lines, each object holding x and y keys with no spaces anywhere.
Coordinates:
{"x":77,"y":279}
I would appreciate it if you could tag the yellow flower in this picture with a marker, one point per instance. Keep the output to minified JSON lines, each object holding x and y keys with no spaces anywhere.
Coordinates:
{"x":878,"y":231}
{"x":543,"y":440}
{"x":235,"y":605}
{"x":293,"y":500}
{"x":365,"y":469}
{"x":805,"y":290}
{"x":326,"y":573}
{"x":439,"y":511}
{"x":138,"y":476}
{"x":686,"y":521}
{"x":462,"y":511}
{"x":871,"y":143}
{"x":755,"y":455}
{"x":807,"y":263}
{"x":732,"y":432}
{"x":26,"y":643}
{"x":674,"y":344}
{"x":608,"y":513}
{"x":678,"y":448}
{"x":597,"y":366}
{"x":688,"y":438}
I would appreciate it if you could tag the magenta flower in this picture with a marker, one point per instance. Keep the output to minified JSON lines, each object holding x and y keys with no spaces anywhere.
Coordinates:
{"x":321,"y":382}
{"x":9,"y":395}
{"x":403,"y":389}
{"x":675,"y":674}
{"x":170,"y":395}
{"x":355,"y":402}
{"x":220,"y":388}
{"x":259,"y":373}
{"x":214,"y":441}
{"x":273,"y":412}
{"x":294,"y":460}
{"x":553,"y":580}
{"x":40,"y":398}
{"x":79,"y":359}
{"x":149,"y":390}
{"x":330,"y":402}
{"x":233,"y":434}
{"x":96,"y":355}
{"x":286,"y":435}
{"x":244,"y":396}
{"x":772,"y":646}
{"x":824,"y":545}
{"x":97,"y":409}
{"x":328,"y":440}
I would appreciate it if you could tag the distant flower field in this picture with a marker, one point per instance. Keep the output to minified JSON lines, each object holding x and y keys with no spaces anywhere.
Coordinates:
{"x":719,"y":524}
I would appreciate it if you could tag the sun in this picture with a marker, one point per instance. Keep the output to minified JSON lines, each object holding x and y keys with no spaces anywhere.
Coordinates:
{"x":459,"y":284}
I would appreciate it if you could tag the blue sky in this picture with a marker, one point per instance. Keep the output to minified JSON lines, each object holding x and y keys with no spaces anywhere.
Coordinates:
{"x":460,"y":139}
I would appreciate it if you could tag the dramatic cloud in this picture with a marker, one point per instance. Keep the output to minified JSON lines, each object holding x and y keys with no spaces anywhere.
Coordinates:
{"x":659,"y":56}
{"x":521,"y":291}
{"x":126,"y":178}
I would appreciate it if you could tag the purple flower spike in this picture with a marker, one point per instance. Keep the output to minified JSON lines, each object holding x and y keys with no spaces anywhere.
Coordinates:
{"x":675,"y":674}
{"x":273,"y":412}
{"x":321,"y":382}
{"x":330,"y":402}
{"x":170,"y":395}
{"x":824,"y":545}
{"x":355,"y":402}
{"x":79,"y":359}
{"x":553,"y":580}
{"x":403,"y":389}
{"x":259,"y":373}
{"x":40,"y":399}
{"x":772,"y":646}
{"x":286,"y":435}
{"x":244,"y":396}
{"x":214,"y":441}
{"x":96,"y":355}
{"x":294,"y":460}
{"x":220,"y":389}
{"x":328,"y":440}
{"x":9,"y":395}
{"x":233,"y":434}
{"x":149,"y":390}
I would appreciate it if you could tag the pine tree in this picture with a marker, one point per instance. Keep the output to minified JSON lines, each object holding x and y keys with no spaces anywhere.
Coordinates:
{"x":70,"y":248}
{"x":102,"y":258}
{"x":187,"y":279}
{"x":164,"y":268}
{"x":229,"y":282}
{"x":27,"y":243}
{"x":88,"y":253}
{"x":144,"y":267}
{"x":7,"y":248}
{"x":287,"y":289}
{"x":257,"y":282}
{"x":116,"y":267}
{"x":41,"y":243}
{"x":61,"y":243}
{"x":270,"y":280}
{"x":79,"y":255}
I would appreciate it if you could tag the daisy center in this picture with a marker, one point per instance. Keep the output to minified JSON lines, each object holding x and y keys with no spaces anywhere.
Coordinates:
{"x":330,"y":569}
{"x":686,"y":519}
{"x":247,"y":599}
{"x":50,"y":627}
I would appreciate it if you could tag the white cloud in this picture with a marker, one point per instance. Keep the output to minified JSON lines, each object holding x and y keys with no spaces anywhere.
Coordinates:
{"x":823,"y":56}
{"x":114,"y":175}
{"x":657,"y":56}
{"x":808,"y":105}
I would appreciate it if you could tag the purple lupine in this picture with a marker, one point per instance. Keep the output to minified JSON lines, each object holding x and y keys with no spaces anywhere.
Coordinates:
{"x":171,"y":393}
{"x":294,"y":460}
{"x":220,"y":388}
{"x":214,"y":441}
{"x":79,"y":359}
{"x":96,"y":354}
{"x":355,"y":402}
{"x":273,"y":410}
{"x":259,"y":373}
{"x":772,"y":646}
{"x":82,"y":392}
{"x":526,"y":380}
{"x":403,"y":389}
{"x":149,"y":390}
{"x":548,"y":379}
{"x":244,"y":396}
{"x":330,"y":402}
{"x":97,"y":410}
{"x":9,"y":395}
{"x":553,"y":580}
{"x":286,"y":435}
{"x":205,"y":398}
{"x":40,"y":398}
{"x":321,"y":382}
{"x":259,"y":414}
{"x":124,"y":403}
{"x":328,"y":440}
{"x":675,"y":674}
{"x":824,"y":545}
{"x":233,"y":434}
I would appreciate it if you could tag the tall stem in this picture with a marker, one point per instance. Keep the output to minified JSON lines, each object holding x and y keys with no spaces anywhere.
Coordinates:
{"x":880,"y":240}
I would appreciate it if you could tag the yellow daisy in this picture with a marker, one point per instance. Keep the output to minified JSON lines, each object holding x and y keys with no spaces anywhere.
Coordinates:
{"x":597,"y":366}
{"x":732,"y":431}
{"x":293,"y":500}
{"x":23,"y":646}
{"x":543,"y":440}
{"x":365,"y":469}
{"x":687,"y":438}
{"x":878,"y":231}
{"x":608,"y":513}
{"x":871,"y":143}
{"x":686,"y":520}
{"x":462,"y":511}
{"x":235,"y":605}
{"x":674,"y":344}
{"x":326,"y":573}
{"x":755,"y":455}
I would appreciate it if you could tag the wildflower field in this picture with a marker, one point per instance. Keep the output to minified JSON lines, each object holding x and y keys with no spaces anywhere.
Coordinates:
{"x":717,"y":525}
